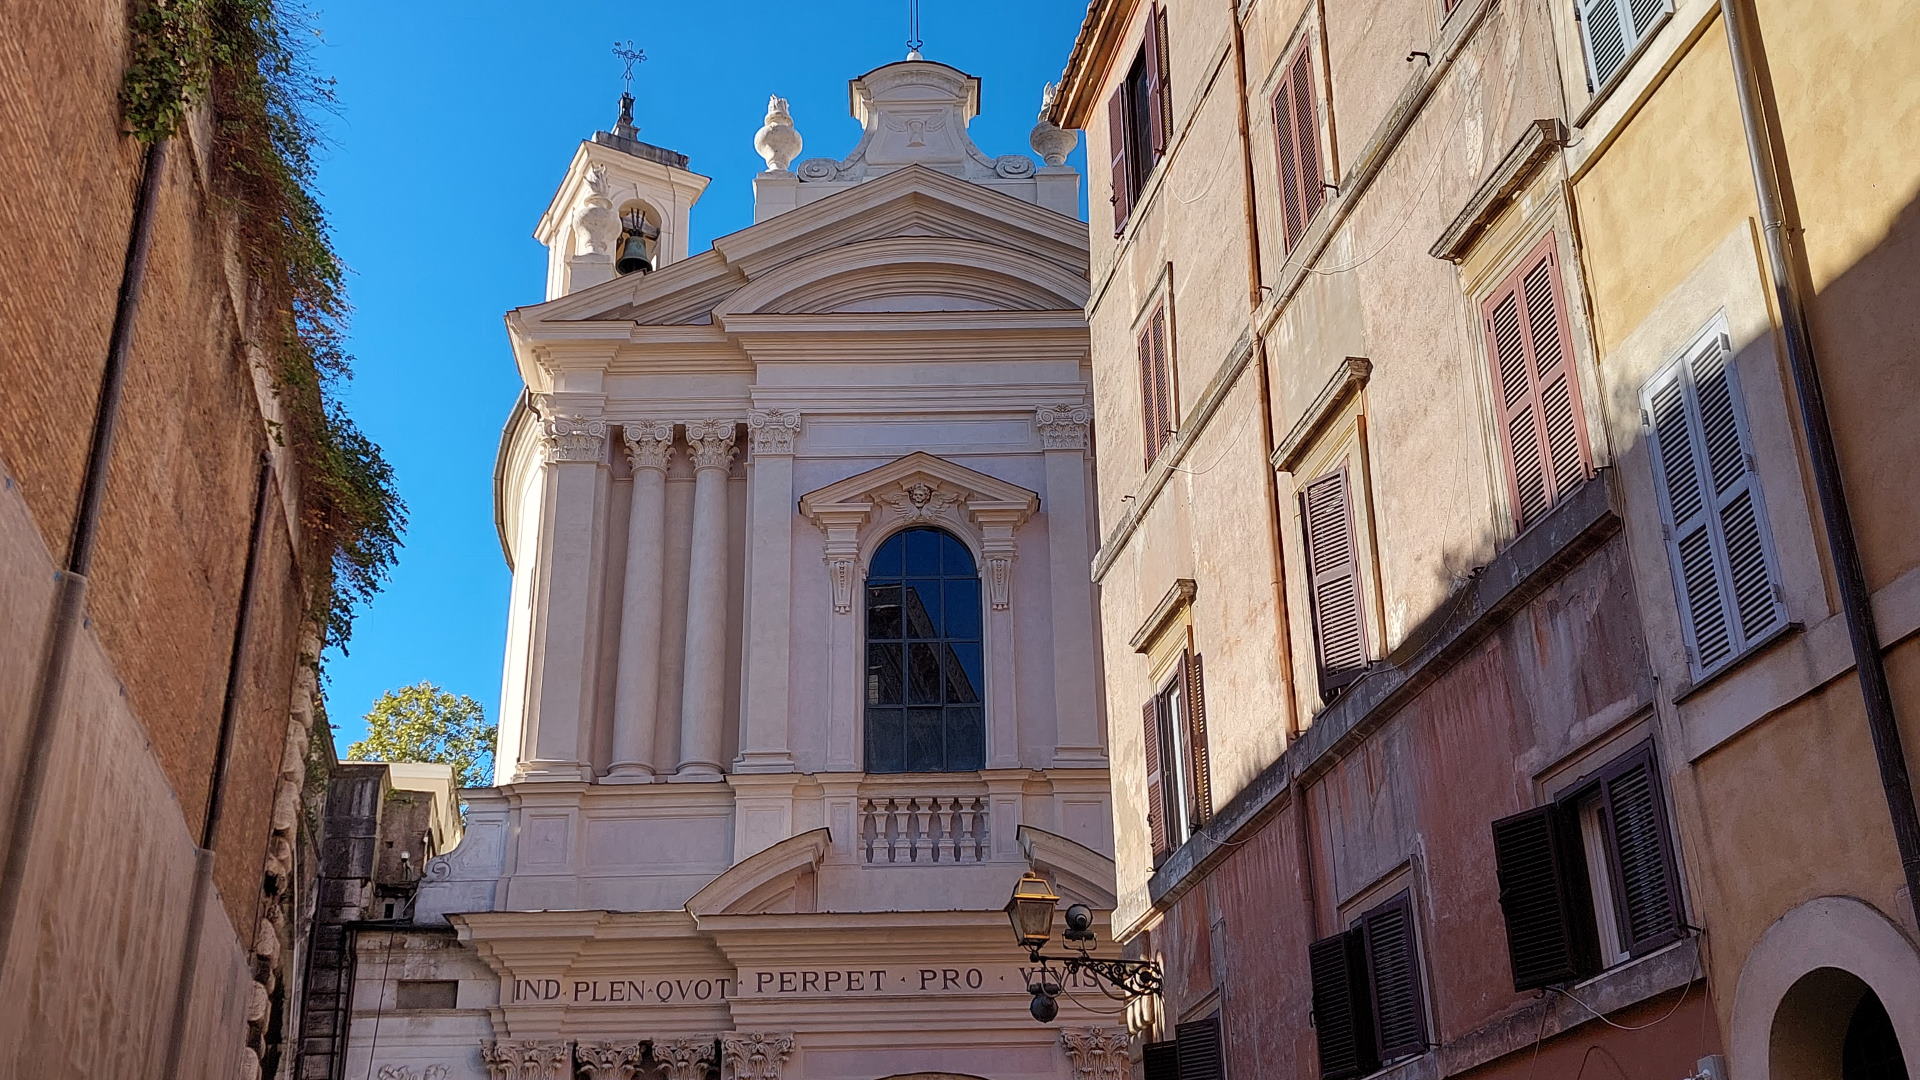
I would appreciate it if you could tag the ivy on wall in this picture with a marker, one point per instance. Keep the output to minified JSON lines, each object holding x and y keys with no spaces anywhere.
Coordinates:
{"x":243,"y":61}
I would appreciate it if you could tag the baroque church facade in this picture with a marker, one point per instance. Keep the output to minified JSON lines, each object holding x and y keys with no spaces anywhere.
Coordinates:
{"x":802,"y":670}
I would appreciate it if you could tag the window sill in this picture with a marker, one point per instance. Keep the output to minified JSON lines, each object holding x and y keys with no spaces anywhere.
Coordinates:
{"x":1693,"y":688}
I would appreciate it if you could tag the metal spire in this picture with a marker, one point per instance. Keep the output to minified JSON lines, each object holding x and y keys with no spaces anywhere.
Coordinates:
{"x":623,"y":127}
{"x":913,"y":30}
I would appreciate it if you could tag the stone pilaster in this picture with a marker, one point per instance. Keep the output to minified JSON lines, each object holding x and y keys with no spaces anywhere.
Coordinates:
{"x":1098,"y":1053}
{"x":769,"y":615}
{"x":711,"y":445}
{"x":749,"y":1055}
{"x":1063,"y":431}
{"x":637,"y":680}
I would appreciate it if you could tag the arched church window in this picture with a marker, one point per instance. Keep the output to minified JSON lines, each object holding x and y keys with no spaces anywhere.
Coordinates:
{"x":925,"y":670}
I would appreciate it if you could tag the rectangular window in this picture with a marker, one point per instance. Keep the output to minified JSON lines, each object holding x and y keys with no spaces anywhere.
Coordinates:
{"x":1368,"y":1006}
{"x":1194,"y":1053}
{"x":1611,"y":30}
{"x":1156,"y":386}
{"x":1179,"y":775}
{"x":1139,"y":118}
{"x":1589,"y":880}
{"x":1333,"y":575}
{"x":1725,"y":574}
{"x":1543,"y":433}
{"x":1296,"y":136}
{"x":425,"y":993}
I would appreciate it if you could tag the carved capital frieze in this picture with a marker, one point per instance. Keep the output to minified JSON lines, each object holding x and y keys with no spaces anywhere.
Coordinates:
{"x":1063,"y":427}
{"x":520,"y":1060}
{"x":1098,"y":1053}
{"x":684,"y":1059}
{"x":711,"y":443}
{"x":649,"y":444}
{"x":749,"y":1055}
{"x":608,"y":1061}
{"x":771,"y":431}
{"x":572,"y":438}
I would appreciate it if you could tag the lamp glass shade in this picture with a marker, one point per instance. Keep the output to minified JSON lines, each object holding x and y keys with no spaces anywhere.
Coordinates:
{"x":1031,"y":910}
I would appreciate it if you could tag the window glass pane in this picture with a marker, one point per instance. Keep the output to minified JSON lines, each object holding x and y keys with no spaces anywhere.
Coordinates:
{"x":923,"y":609}
{"x":964,"y":673}
{"x":884,"y":676}
{"x":883,"y":612}
{"x":926,"y":741}
{"x":955,"y":560}
{"x":923,"y":673}
{"x":966,"y":738}
{"x":963,"y":609}
{"x":923,"y":552}
{"x":888,"y":561}
{"x":885,"y":748}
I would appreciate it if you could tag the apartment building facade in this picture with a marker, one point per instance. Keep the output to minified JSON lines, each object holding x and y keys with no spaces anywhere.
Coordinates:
{"x":1484,"y":726}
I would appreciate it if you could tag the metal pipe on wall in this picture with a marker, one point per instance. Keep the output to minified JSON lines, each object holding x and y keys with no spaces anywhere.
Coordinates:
{"x":1780,"y":225}
{"x":70,"y":605}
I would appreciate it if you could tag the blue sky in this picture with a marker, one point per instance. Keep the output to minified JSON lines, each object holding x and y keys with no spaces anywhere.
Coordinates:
{"x":454,"y":126}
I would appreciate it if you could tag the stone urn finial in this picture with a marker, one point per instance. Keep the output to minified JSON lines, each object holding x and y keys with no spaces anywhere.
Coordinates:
{"x":777,"y":141}
{"x":1053,"y":144}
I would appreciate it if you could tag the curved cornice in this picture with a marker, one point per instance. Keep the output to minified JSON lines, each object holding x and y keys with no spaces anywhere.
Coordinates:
{"x":732,"y":893}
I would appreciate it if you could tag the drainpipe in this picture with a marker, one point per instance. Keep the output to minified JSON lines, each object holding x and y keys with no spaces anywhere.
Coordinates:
{"x":70,"y":604}
{"x":1781,"y":226}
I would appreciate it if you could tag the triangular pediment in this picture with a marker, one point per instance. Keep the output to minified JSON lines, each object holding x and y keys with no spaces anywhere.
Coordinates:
{"x":921,"y":485}
{"x":913,"y":240}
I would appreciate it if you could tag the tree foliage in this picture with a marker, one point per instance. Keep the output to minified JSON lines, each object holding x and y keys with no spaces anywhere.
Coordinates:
{"x":425,"y":723}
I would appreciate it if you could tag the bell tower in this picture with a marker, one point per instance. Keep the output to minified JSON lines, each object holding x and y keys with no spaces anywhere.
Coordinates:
{"x":623,"y":208}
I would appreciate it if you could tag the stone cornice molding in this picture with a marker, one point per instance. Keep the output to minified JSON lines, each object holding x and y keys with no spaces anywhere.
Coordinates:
{"x":649,"y":443}
{"x":1063,"y":427}
{"x":711,"y":442}
{"x":1098,"y":1053}
{"x":772,"y":431}
{"x":753,"y":1055}
{"x":684,"y":1059}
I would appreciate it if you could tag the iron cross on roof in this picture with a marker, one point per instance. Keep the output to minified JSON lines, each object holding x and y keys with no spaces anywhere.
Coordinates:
{"x":629,"y":56}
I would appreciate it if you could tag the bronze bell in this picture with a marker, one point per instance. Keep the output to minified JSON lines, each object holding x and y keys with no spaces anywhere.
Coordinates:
{"x":633,"y":255}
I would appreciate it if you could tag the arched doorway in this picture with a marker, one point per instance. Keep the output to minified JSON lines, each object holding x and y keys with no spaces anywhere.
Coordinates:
{"x":1832,"y":1026}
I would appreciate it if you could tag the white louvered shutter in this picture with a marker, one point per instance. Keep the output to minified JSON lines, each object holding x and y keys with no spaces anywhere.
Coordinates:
{"x":1725,"y":574}
{"x":1612,"y":29}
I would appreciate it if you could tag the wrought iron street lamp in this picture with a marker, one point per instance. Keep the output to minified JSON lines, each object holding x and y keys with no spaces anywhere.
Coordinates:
{"x":1030,"y":910}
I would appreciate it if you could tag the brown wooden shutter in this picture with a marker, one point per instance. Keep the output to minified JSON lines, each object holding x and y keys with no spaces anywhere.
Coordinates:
{"x":1646,"y":883}
{"x":1200,"y":1056}
{"x":1159,"y":71}
{"x":1334,"y":588}
{"x":1306,"y":135}
{"x":1156,"y":389}
{"x":1117,"y":146}
{"x":1342,"y":1017}
{"x":1162,"y":1060}
{"x":1287,"y":150}
{"x":1393,"y":977}
{"x":1544,"y":898}
{"x":1156,"y":796}
{"x":1200,"y":783}
{"x":1542,"y":425}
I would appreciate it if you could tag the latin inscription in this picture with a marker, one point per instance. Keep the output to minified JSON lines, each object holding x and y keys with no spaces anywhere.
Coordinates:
{"x":797,"y":982}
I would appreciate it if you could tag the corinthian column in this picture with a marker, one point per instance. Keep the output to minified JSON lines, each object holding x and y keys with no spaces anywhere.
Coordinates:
{"x":637,"y":681}
{"x":710,"y":442}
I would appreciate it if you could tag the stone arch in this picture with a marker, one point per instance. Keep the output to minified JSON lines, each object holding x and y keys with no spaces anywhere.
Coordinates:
{"x":1802,"y":980}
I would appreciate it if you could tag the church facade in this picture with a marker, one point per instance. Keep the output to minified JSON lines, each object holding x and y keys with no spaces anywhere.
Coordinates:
{"x":801,"y":672}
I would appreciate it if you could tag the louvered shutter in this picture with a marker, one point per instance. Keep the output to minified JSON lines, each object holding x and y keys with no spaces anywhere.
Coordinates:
{"x":1287,"y":150}
{"x":1606,"y":27}
{"x":1200,"y":1052}
{"x":1162,"y":380}
{"x":1725,"y":575}
{"x":1333,"y":573}
{"x":1158,"y":118}
{"x":1542,"y":425}
{"x":1342,"y":1018}
{"x":1646,"y":884}
{"x":1156,"y":787}
{"x":1162,"y":1060}
{"x":1306,"y":135}
{"x":1200,"y":784}
{"x":1393,"y":977}
{"x":1117,"y":146}
{"x":1544,"y":898}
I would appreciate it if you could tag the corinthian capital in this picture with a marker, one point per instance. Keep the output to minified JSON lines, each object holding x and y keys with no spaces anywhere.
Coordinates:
{"x":711,"y":443}
{"x":609,"y":1061}
{"x":649,"y":443}
{"x":772,"y":430}
{"x":573,"y":438}
{"x":1098,"y":1053}
{"x":684,"y":1059}
{"x":515,"y":1060}
{"x":750,"y":1055}
{"x":1062,"y":427}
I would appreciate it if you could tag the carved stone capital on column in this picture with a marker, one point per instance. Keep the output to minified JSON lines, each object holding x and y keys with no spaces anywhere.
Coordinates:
{"x":1098,"y":1053}
{"x":516,"y":1060}
{"x":649,"y":443}
{"x":771,"y":431}
{"x":1062,"y":427}
{"x":609,"y":1061}
{"x":749,"y":1055}
{"x":684,"y":1059}
{"x":573,"y":438}
{"x":711,"y":443}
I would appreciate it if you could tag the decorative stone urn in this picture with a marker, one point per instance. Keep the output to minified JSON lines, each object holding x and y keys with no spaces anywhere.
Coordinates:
{"x":777,"y":141}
